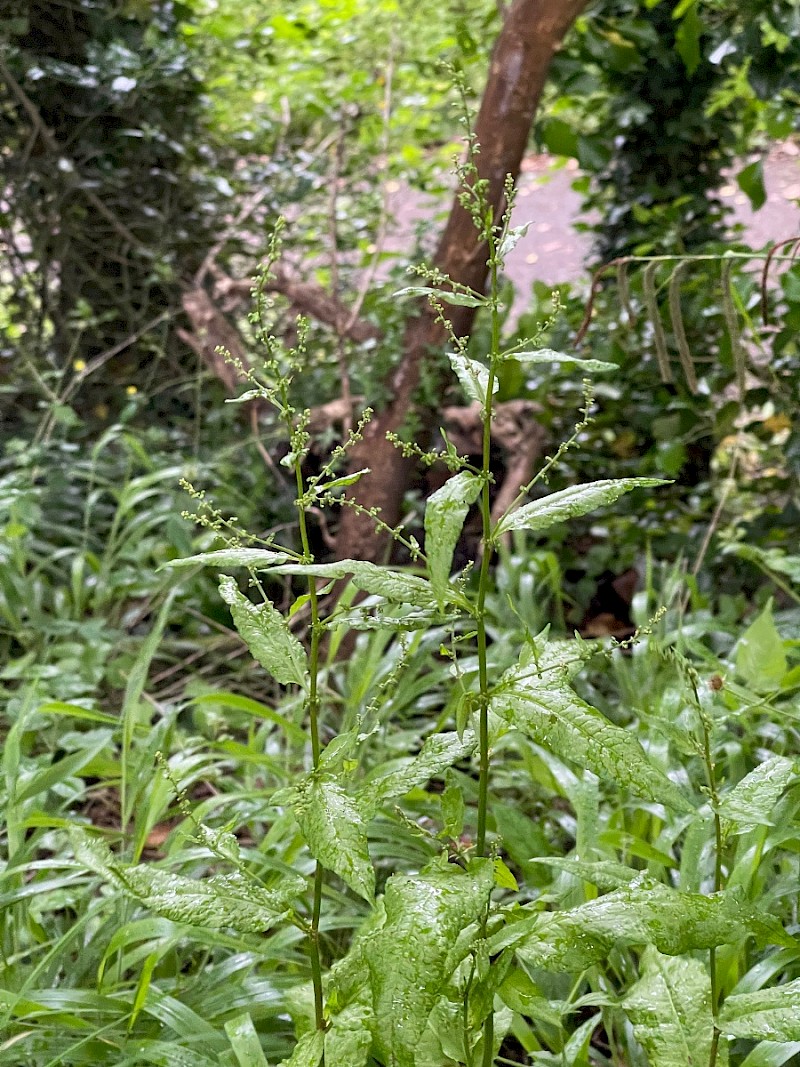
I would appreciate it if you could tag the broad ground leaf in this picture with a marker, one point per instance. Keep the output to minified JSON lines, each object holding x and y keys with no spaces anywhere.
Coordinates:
{"x":760,"y":657}
{"x":413,"y":955}
{"x":670,"y":1008}
{"x":444,"y":518}
{"x":267,"y":636}
{"x":399,"y":586}
{"x":226,"y":900}
{"x":643,"y":914}
{"x":335,"y":830}
{"x":766,"y":1015}
{"x":751,"y":802}
{"x":536,"y":698}
{"x":438,"y":753}
{"x":255,"y":559}
{"x":570,"y":503}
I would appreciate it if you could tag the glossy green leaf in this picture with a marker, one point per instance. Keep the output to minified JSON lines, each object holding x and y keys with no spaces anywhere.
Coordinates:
{"x":643,"y":914}
{"x":511,"y":239}
{"x":751,"y":802}
{"x":467,"y":300}
{"x":256,"y":559}
{"x":565,"y":359}
{"x":539,"y":701}
{"x":439,"y":752}
{"x":472,"y":375}
{"x":670,"y":1008}
{"x":571,"y":503}
{"x":225,"y":900}
{"x":399,"y":586}
{"x":244,"y":1042}
{"x":766,"y":1015}
{"x":349,"y":1038}
{"x":760,"y":656}
{"x":266,"y":634}
{"x":413,"y":955}
{"x":307,"y":1051}
{"x":605,"y":874}
{"x":335,"y":830}
{"x":445,"y":513}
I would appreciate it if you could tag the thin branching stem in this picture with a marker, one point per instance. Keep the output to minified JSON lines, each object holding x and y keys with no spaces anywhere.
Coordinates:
{"x":316,"y":749}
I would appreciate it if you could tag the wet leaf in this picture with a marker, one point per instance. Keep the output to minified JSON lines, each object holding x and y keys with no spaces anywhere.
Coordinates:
{"x":670,"y":1008}
{"x":412,"y":956}
{"x":571,"y":503}
{"x":226,"y":900}
{"x":445,"y":513}
{"x":751,"y":802}
{"x":536,"y":698}
{"x":334,"y":827}
{"x":267,"y":635}
{"x":766,"y":1015}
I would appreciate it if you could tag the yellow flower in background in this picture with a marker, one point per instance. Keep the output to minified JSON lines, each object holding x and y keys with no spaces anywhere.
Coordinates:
{"x":131,"y":390}
{"x":79,"y":364}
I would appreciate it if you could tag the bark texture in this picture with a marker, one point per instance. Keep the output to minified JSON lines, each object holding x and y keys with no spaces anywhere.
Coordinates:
{"x":531,"y":34}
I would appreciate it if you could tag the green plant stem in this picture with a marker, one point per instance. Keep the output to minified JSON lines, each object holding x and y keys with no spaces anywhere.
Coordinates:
{"x":316,"y":750}
{"x":483,"y":587}
{"x":711,"y":782}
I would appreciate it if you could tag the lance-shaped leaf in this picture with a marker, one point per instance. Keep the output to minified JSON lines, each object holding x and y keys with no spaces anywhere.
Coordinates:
{"x":751,"y":802}
{"x":670,"y":1008}
{"x":444,"y":519}
{"x":266,"y":634}
{"x":468,"y":299}
{"x":570,"y":503}
{"x":472,"y":375}
{"x":538,"y":700}
{"x":439,"y":752}
{"x":766,"y":1015}
{"x":255,"y":559}
{"x":549,"y":355}
{"x":399,"y":586}
{"x":414,"y":954}
{"x":511,"y":238}
{"x":226,"y":900}
{"x":641,"y":914}
{"x":335,"y":830}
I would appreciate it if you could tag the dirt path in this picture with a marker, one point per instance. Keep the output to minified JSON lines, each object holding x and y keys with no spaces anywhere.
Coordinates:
{"x":554,"y":251}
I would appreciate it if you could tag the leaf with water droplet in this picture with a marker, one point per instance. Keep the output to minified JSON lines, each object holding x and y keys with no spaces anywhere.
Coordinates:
{"x":670,"y":1008}
{"x":416,"y":951}
{"x":766,"y":1015}
{"x":535,"y":697}
{"x":445,"y":513}
{"x":225,"y":900}
{"x":556,"y":508}
{"x":752,"y":800}
{"x":267,"y":635}
{"x":335,"y":830}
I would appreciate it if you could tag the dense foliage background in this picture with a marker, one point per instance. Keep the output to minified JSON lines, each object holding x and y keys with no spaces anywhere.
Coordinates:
{"x":148,"y":152}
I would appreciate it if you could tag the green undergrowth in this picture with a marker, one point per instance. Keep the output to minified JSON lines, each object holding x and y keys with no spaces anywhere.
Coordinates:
{"x":426,"y":827}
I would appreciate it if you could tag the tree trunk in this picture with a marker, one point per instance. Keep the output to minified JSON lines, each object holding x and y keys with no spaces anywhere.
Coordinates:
{"x":531,"y":34}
